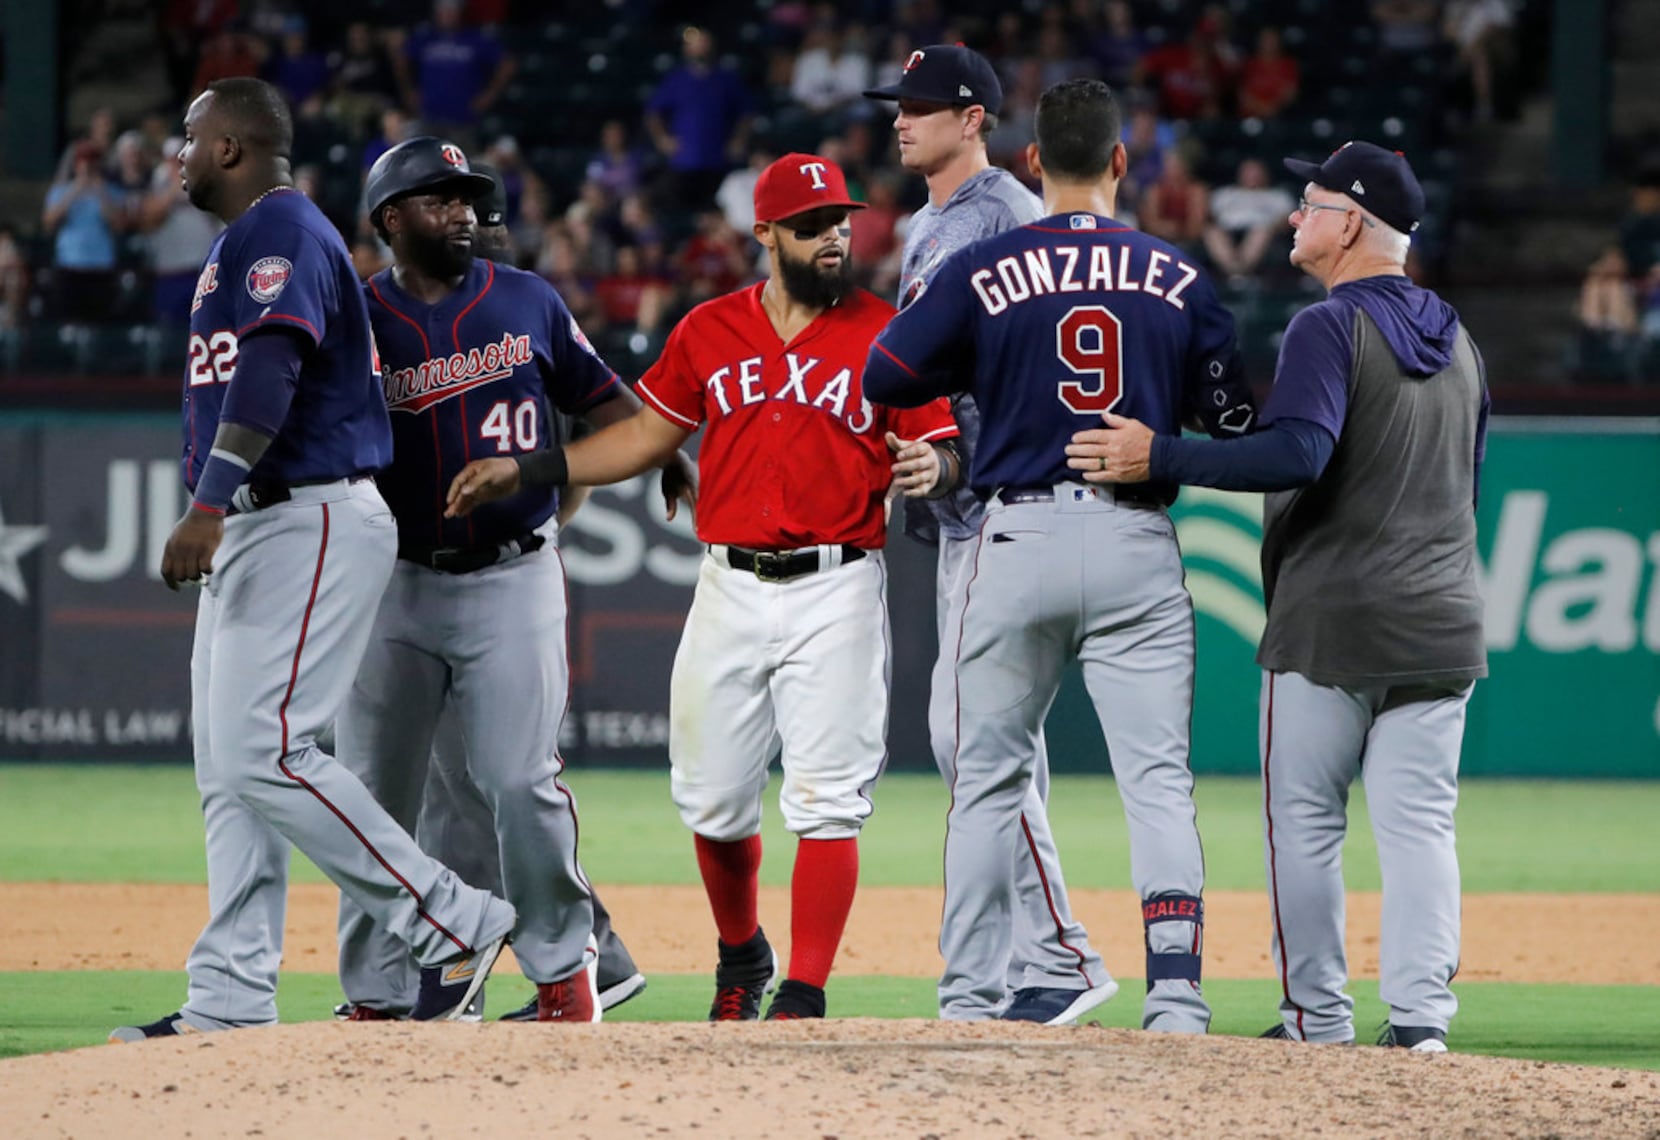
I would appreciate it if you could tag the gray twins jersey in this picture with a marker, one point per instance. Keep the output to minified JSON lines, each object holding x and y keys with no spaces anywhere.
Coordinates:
{"x":989,"y":203}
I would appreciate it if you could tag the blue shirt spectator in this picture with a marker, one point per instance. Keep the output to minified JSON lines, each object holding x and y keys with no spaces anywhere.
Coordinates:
{"x":699,"y":114}
{"x":294,"y":68}
{"x":83,"y":212}
{"x":459,"y":71}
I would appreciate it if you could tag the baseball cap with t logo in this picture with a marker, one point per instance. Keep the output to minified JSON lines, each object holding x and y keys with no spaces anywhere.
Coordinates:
{"x":797,"y":183}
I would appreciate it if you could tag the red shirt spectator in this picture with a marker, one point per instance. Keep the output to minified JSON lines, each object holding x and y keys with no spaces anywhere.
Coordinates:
{"x":1268,"y":82}
{"x":227,"y":55}
{"x":1192,"y":78}
{"x":712,"y":262}
{"x":623,"y":294}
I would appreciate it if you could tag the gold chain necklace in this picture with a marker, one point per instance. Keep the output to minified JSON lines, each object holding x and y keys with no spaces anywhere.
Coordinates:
{"x":267,"y":194}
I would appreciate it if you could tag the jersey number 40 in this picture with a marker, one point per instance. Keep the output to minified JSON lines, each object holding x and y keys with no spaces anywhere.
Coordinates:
{"x":1088,"y":340}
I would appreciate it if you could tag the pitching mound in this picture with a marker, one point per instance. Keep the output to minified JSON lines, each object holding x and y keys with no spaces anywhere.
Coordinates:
{"x":849,"y":1078}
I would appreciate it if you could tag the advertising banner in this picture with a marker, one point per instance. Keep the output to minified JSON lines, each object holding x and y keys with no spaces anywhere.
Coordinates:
{"x":94,"y":650}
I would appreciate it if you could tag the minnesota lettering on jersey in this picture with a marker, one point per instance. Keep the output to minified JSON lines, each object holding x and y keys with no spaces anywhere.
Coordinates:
{"x":739,"y":386}
{"x":419,"y":387}
{"x":1064,"y":269}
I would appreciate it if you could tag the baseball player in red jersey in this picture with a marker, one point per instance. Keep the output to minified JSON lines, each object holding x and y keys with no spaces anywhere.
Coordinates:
{"x":787,"y":640}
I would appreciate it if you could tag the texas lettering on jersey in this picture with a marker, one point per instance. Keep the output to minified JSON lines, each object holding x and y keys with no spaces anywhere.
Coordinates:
{"x":419,"y":387}
{"x":741,"y":385}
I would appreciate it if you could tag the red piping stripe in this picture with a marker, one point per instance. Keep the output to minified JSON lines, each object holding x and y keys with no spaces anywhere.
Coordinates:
{"x":1049,"y":897}
{"x":957,"y":712}
{"x":282,"y":758}
{"x":878,"y":346}
{"x":403,"y":316}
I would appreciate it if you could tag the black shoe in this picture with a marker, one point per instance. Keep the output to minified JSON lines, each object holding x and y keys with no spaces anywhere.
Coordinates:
{"x":742,"y":978}
{"x":796,"y":1001}
{"x":173,"y":1025}
{"x":1416,"y":1038}
{"x":447,"y":991}
{"x":1278,"y":1033}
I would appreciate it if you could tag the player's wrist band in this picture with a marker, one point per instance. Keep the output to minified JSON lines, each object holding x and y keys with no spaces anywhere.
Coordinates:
{"x":221,"y":475}
{"x":543,"y":468}
{"x":950,"y":464}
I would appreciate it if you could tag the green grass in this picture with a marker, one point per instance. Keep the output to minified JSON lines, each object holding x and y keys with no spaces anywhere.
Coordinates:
{"x":1593,"y":1025}
{"x":142,"y":824}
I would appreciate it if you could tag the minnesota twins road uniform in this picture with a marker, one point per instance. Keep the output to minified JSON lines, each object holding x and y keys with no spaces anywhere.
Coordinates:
{"x":475,"y":611}
{"x":1050,"y":947}
{"x":790,"y":645}
{"x":284,"y":619}
{"x":1048,"y":326}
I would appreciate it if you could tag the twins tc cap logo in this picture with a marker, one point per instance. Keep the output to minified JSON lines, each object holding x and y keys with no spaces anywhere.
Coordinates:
{"x":452,"y":155}
{"x":267,"y":278}
{"x":916,"y":58}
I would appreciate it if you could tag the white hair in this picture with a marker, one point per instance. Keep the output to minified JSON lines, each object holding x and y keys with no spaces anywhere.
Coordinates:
{"x":1385,"y":238}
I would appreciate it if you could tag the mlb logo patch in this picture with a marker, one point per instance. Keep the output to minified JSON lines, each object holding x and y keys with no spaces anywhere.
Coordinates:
{"x":268,"y":277}
{"x":1083,"y":221}
{"x":1082,"y":494}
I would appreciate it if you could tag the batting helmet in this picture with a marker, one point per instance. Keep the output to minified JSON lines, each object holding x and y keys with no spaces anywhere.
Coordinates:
{"x":417,"y":164}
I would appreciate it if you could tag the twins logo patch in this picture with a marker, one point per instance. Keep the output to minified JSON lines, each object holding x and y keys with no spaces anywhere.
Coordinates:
{"x":267,"y":278}
{"x":582,"y":340}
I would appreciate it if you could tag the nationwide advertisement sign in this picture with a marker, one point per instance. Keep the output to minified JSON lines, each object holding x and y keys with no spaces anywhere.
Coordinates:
{"x":94,"y":650}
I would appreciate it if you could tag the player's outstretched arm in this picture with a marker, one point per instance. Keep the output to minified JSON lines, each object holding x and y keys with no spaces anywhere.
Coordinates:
{"x":923,"y":470}
{"x":679,"y":477}
{"x":620,"y":451}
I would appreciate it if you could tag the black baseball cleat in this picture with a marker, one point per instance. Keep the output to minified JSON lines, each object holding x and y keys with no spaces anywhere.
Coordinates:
{"x":448,"y":991}
{"x":173,"y":1025}
{"x":796,"y":1001}
{"x":1414,"y":1038}
{"x":1278,"y":1033}
{"x":742,"y":978}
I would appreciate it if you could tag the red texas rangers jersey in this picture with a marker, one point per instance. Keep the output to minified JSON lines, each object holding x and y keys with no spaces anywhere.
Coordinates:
{"x":794,"y":454}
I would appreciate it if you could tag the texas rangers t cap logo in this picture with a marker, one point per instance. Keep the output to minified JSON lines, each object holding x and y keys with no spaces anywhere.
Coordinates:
{"x":452,"y":155}
{"x":815,"y":171}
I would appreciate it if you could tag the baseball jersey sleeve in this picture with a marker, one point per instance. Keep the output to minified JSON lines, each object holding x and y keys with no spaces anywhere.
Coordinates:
{"x":671,"y":386}
{"x":1216,"y":396}
{"x":924,"y":352}
{"x":1312,"y":380}
{"x":579,"y":379}
{"x":931,"y":423}
{"x":284,"y":278}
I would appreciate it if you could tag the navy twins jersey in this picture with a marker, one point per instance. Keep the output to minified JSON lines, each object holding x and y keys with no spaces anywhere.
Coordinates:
{"x":283,"y":265}
{"x":470,"y":377}
{"x":1054,"y":323}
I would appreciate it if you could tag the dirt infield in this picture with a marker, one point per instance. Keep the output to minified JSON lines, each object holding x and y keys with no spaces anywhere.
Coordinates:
{"x":1609,"y":939}
{"x":852,"y":1078}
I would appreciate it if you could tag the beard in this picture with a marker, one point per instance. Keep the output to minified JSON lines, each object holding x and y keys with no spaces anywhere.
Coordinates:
{"x":436,"y":257}
{"x":814,"y":285}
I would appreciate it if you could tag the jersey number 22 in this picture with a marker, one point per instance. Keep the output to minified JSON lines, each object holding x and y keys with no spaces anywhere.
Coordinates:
{"x":1088,"y":341}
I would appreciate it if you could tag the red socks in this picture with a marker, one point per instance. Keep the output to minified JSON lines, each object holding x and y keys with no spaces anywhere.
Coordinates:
{"x":732,"y":877}
{"x":821,"y":895}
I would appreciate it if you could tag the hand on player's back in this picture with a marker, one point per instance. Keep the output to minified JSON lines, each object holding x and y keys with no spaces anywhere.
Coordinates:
{"x":481,"y":481}
{"x":1121,"y":452}
{"x":916,"y":467}
{"x":188,"y":555}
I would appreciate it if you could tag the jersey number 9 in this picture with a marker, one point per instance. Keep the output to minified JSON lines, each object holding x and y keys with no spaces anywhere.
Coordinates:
{"x":508,"y":425}
{"x":1088,"y":341}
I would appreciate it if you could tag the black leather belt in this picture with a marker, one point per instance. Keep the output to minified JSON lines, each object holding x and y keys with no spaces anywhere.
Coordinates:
{"x":466,"y":559}
{"x":1129,"y":496}
{"x":782,"y":565}
{"x":269,"y":492}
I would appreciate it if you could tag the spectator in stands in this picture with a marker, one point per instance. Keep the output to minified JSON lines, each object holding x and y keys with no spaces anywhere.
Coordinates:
{"x":1640,"y":230}
{"x":179,"y":236}
{"x":521,"y":183}
{"x":591,"y":241}
{"x":84,"y":214}
{"x":556,"y":260}
{"x":368,"y":256}
{"x":14,"y":280}
{"x":1016,"y":125}
{"x":1268,"y":81}
{"x":1193,"y":78}
{"x":185,"y":26}
{"x":736,"y":196}
{"x":100,"y":132}
{"x":632,"y":296}
{"x":1650,"y":303}
{"x":1118,"y":45}
{"x":395,"y":127}
{"x":1146,"y":139}
{"x":713,"y":261}
{"x":1481,"y":30}
{"x":229,"y":53}
{"x":1245,"y":218}
{"x":874,"y":236}
{"x":699,"y":120}
{"x":1177,"y":206}
{"x":1406,"y":27}
{"x":451,"y":74}
{"x":617,"y":166}
{"x":134,"y":168}
{"x":832,"y":70}
{"x":294,"y":68}
{"x":362,"y":81}
{"x":1056,"y":55}
{"x":1607,"y":300}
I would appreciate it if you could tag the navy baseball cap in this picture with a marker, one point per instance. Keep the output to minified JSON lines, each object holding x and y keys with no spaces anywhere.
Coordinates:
{"x":491,"y":206}
{"x":949,"y":74}
{"x":1377,"y":178}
